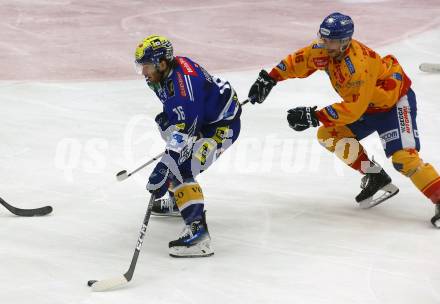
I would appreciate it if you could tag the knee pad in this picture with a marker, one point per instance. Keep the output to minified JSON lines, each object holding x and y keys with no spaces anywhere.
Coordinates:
{"x":423,"y":175}
{"x":187,"y":194}
{"x":407,"y":161}
{"x":329,"y":136}
{"x":341,"y":141}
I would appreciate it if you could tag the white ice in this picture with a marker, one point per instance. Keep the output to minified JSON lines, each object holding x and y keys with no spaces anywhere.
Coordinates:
{"x":281,"y":210}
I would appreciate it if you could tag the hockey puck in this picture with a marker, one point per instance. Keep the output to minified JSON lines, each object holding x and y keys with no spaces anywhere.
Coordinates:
{"x":91,"y":282}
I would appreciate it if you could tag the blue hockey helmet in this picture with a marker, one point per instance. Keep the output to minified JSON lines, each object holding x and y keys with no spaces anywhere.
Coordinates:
{"x":153,"y":49}
{"x":336,"y":26}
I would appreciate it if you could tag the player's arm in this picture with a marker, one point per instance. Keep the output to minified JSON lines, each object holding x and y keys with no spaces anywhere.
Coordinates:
{"x":351,"y":108}
{"x":296,"y":65}
{"x":300,"y":64}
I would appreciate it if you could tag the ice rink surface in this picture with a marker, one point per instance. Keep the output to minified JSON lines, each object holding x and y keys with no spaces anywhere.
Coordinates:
{"x":281,"y":210}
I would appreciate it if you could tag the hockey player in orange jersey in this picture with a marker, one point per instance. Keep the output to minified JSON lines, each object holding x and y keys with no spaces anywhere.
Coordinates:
{"x":376,"y":97}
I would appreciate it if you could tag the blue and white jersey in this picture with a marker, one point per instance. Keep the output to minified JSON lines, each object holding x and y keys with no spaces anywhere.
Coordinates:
{"x":192,"y":99}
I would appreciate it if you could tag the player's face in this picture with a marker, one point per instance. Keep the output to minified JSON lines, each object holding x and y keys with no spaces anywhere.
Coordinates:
{"x":335,"y":47}
{"x":155,"y":73}
{"x":151,"y":73}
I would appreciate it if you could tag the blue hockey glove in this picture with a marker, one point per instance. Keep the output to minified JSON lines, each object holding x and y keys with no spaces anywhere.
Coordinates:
{"x":158,"y":180}
{"x":261,"y":87}
{"x":301,"y":118}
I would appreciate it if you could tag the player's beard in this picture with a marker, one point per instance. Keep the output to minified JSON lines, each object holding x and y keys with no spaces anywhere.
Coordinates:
{"x":335,"y":54}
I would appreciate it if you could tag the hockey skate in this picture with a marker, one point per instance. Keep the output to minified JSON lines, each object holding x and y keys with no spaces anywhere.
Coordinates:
{"x":193,"y":242}
{"x":165,"y":207}
{"x":375,"y":183}
{"x":435,"y":220}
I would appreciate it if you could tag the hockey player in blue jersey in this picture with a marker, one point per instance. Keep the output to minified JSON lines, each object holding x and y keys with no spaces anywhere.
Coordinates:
{"x":200,"y":119}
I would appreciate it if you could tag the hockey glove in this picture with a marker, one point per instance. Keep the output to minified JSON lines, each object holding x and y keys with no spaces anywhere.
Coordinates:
{"x":164,"y":126}
{"x":261,"y":87}
{"x":162,"y":121}
{"x":158,"y":180}
{"x":301,"y":118}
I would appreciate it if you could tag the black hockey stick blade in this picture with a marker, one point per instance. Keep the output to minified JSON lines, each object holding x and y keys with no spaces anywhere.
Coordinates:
{"x":27,"y":212}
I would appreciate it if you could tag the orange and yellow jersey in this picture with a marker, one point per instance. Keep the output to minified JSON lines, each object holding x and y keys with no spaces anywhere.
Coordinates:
{"x":366,"y":82}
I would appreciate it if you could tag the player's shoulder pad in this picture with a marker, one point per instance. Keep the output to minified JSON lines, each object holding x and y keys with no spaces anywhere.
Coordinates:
{"x":187,"y":66}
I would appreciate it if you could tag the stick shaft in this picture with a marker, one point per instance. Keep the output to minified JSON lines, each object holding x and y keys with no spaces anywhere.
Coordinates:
{"x":129,"y":274}
{"x":147,"y":163}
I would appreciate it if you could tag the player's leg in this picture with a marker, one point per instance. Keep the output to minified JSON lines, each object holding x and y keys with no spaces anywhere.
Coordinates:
{"x":195,"y":240}
{"x":343,"y":141}
{"x":423,"y":175}
{"x":165,"y":206}
{"x":215,"y":140}
{"x":403,"y":147}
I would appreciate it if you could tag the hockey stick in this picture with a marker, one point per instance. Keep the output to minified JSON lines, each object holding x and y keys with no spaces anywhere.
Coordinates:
{"x":123,"y":175}
{"x":26,"y":212}
{"x":430,"y":67}
{"x":119,"y":281}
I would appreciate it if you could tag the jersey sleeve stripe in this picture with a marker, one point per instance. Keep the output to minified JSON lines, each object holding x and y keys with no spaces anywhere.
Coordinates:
{"x":189,"y":86}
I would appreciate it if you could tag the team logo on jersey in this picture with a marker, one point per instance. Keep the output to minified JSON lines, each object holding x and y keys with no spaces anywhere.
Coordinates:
{"x":318,"y":46}
{"x":331,"y":112}
{"x":181,"y":85}
{"x":389,"y":136}
{"x":187,"y":68}
{"x":397,"y":76}
{"x":350,"y":65}
{"x":281,"y":66}
{"x":170,"y":88}
{"x":404,"y":119}
{"x":178,"y":138}
{"x":320,"y":62}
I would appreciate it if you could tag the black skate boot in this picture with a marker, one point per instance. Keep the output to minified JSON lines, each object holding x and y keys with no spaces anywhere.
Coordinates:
{"x":194,"y":241}
{"x":435,"y":220}
{"x":165,"y":206}
{"x":371,"y":184}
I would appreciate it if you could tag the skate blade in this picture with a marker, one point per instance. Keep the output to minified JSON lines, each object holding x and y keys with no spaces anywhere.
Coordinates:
{"x":174,"y":214}
{"x":191,"y":256}
{"x":203,"y":249}
{"x":386,"y":192}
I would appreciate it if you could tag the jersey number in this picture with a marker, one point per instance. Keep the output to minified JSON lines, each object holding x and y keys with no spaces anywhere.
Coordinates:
{"x":179,"y":112}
